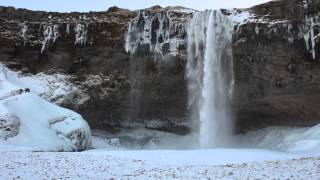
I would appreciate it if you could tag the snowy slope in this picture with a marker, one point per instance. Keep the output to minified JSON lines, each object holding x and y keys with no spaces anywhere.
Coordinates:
{"x":28,"y":122}
{"x":294,"y":140}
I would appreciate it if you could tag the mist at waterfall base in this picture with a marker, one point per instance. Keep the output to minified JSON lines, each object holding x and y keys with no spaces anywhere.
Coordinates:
{"x":210,"y":85}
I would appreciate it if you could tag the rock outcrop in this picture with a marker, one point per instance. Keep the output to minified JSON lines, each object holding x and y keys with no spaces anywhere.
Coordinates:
{"x":138,"y":78}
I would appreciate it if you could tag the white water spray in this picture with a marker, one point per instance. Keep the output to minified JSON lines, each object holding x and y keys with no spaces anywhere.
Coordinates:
{"x":211,"y":83}
{"x":194,"y":72}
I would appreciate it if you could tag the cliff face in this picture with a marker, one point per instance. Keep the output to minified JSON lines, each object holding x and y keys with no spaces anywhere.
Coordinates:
{"x":89,"y":47}
{"x":277,"y":65}
{"x":138,"y":78}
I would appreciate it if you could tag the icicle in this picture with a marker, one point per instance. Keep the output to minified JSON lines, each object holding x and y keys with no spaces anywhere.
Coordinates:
{"x":68,"y":29}
{"x":50,"y":33}
{"x":290,"y":40}
{"x":309,"y":36}
{"x":24,"y":33}
{"x":161,"y":41}
{"x":81,"y":34}
{"x":257,"y":30}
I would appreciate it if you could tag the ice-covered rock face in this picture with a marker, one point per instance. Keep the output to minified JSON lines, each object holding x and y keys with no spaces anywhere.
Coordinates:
{"x":51,"y":30}
{"x":311,"y":33}
{"x":162,"y":31}
{"x":302,"y":26}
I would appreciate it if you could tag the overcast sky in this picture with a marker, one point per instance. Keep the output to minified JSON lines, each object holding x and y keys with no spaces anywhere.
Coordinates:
{"x":101,"y":5}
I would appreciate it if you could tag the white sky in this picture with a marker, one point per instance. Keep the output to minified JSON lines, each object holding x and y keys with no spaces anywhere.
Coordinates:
{"x":101,"y":5}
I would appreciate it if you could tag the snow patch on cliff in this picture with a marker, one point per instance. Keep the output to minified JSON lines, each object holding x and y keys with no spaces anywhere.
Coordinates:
{"x":54,"y":88}
{"x":239,"y":17}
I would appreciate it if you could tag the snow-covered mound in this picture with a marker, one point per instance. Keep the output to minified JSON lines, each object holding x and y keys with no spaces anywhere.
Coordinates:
{"x":41,"y":126}
{"x":28,"y":122}
{"x":297,"y":140}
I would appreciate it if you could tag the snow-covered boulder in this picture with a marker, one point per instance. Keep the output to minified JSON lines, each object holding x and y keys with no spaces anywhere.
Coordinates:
{"x":41,"y":125}
{"x":29,"y":122}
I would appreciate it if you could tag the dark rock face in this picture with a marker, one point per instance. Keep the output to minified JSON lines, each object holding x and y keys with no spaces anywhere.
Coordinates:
{"x":157,"y":63}
{"x":88,"y":46}
{"x":277,"y":75}
{"x":276,"y":62}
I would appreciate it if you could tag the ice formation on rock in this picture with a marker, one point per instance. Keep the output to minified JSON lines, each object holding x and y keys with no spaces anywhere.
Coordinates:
{"x":81,"y":31}
{"x":312,"y":23}
{"x":309,"y":31}
{"x":50,"y":34}
{"x":24,"y":29}
{"x":68,"y":29}
{"x":161,"y":32}
{"x":81,"y":34}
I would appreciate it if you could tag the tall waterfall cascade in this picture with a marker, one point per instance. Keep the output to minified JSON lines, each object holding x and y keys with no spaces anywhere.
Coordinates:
{"x":210,"y":76}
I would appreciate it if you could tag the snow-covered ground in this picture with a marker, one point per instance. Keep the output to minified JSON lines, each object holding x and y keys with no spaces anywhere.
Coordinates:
{"x":115,"y":158}
{"x":182,"y":164}
{"x":28,"y":123}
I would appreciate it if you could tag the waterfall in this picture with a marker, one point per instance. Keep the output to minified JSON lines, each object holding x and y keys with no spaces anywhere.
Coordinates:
{"x":210,"y":76}
{"x":194,"y":69}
